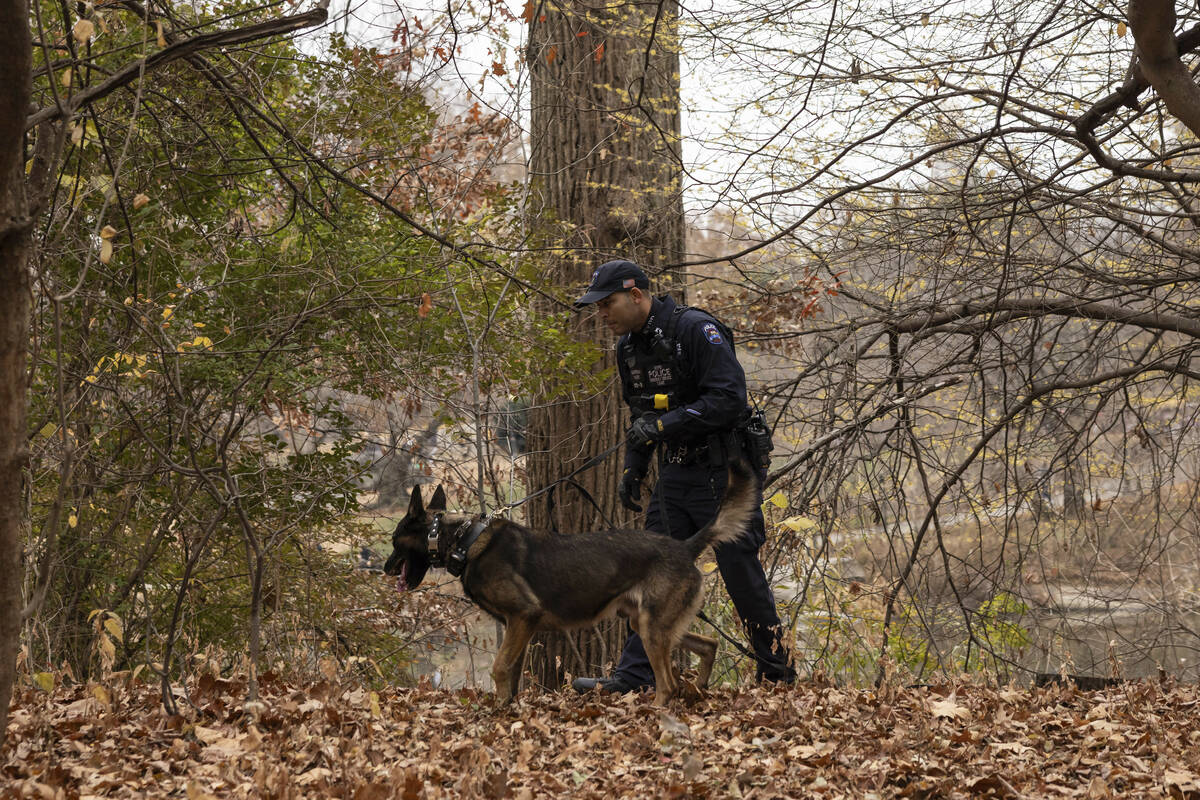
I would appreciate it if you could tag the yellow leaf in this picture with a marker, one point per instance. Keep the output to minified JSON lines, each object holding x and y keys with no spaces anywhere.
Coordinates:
{"x":104,"y":184}
{"x":48,"y":430}
{"x":108,"y":232}
{"x":198,"y":325}
{"x":76,"y":134}
{"x":168,"y":312}
{"x":72,"y":521}
{"x":114,"y":627}
{"x":375,"y":710}
{"x":44,"y":680}
{"x":83,"y":31}
{"x":799,"y":524}
{"x":140,"y":199}
{"x":108,"y":653}
{"x":1122,"y":28}
{"x":162,"y":40}
{"x":66,"y":78}
{"x":106,"y":251}
{"x":779,"y":500}
{"x":101,"y":694}
{"x":707,"y":567}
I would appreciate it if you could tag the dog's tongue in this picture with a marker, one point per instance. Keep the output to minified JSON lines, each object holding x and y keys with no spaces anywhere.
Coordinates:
{"x":402,"y":578}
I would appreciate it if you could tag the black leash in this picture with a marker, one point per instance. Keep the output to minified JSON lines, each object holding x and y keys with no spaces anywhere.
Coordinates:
{"x":741,"y":648}
{"x":570,"y":479}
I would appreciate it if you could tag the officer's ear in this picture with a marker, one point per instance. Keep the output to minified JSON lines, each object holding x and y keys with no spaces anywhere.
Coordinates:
{"x":639,"y":294}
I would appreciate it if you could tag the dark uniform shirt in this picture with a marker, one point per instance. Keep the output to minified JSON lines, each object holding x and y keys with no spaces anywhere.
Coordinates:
{"x":712,"y":389}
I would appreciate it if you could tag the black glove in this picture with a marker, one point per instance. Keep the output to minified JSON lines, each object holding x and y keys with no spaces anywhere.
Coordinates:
{"x":630,"y":490}
{"x":644,"y":431}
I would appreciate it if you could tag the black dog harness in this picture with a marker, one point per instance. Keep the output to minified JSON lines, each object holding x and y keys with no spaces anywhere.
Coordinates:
{"x":463,"y":537}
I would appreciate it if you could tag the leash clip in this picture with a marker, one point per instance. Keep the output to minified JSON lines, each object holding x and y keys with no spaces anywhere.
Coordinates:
{"x":431,"y":538}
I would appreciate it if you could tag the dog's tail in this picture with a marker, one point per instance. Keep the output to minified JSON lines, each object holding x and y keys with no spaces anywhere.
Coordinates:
{"x":735,"y":511}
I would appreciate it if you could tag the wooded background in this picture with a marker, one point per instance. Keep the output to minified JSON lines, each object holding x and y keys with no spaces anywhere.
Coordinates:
{"x":264,"y":268}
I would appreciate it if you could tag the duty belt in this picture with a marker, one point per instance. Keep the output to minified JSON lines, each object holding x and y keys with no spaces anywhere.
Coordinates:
{"x":715,"y":449}
{"x":686,"y":453}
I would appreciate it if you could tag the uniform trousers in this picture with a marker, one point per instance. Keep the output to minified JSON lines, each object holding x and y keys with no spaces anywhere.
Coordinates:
{"x":685,"y":498}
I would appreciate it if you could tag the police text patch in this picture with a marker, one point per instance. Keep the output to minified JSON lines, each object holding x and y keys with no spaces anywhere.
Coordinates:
{"x":711,"y":333}
{"x":660,"y":374}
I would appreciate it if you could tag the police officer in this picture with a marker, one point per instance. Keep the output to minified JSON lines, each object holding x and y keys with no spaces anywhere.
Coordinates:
{"x":687,"y":396}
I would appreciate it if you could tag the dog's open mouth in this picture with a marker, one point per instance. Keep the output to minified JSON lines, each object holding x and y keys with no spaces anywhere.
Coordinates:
{"x":402,"y":578}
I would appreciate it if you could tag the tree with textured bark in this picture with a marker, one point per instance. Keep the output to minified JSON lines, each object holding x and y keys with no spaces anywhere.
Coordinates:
{"x":605,"y":171}
{"x":15,"y":225}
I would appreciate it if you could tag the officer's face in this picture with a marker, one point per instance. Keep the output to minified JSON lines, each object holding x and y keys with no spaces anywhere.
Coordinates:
{"x":624,"y":312}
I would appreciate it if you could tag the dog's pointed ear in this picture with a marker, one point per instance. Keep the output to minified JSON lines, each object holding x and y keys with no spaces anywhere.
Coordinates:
{"x":438,"y":501}
{"x":416,"y":508}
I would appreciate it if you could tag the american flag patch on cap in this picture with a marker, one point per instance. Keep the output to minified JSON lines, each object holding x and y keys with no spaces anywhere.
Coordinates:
{"x":628,"y":283}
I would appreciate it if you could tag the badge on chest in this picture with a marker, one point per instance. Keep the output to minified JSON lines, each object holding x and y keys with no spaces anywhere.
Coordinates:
{"x":660,"y":375}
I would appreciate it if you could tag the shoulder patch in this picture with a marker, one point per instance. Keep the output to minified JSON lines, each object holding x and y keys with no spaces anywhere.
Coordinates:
{"x":711,"y":333}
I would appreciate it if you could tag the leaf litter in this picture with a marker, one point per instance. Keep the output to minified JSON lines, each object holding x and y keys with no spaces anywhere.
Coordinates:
{"x":329,"y":739}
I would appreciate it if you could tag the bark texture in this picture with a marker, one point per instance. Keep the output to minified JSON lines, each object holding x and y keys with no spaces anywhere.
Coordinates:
{"x":15,"y":77}
{"x":604,"y":166}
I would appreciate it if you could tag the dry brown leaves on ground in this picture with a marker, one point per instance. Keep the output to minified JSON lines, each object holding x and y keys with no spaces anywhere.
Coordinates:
{"x":330,"y":740}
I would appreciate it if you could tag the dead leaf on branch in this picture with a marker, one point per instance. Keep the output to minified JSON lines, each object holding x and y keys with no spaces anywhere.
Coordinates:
{"x":83,"y":30}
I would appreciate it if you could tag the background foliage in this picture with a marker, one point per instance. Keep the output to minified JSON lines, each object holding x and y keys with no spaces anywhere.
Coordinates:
{"x":279,"y":283}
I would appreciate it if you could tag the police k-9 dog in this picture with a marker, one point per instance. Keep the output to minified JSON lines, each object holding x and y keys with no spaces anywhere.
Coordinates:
{"x":535,"y":580}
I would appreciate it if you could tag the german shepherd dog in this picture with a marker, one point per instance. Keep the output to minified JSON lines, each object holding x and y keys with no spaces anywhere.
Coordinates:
{"x":535,"y":580}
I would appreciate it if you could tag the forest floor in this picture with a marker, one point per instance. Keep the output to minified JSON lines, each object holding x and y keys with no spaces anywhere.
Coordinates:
{"x":328,"y":739}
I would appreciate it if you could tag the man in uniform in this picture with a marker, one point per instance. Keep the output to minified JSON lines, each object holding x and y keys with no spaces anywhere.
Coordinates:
{"x":687,"y":396}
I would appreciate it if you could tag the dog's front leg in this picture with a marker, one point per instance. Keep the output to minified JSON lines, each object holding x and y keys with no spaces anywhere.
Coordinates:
{"x":506,"y":669}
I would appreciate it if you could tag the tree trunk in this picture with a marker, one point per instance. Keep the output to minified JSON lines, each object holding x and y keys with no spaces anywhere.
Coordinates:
{"x":15,"y":243}
{"x":605,"y":166}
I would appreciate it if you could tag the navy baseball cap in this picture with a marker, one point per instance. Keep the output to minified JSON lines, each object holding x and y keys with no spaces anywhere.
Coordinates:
{"x":613,"y":276}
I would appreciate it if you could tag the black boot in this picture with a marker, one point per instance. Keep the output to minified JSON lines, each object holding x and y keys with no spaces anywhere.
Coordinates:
{"x":614,"y":685}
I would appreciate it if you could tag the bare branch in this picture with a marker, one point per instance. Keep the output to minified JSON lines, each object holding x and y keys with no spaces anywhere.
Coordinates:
{"x":1015,"y":308}
{"x":176,"y":51}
